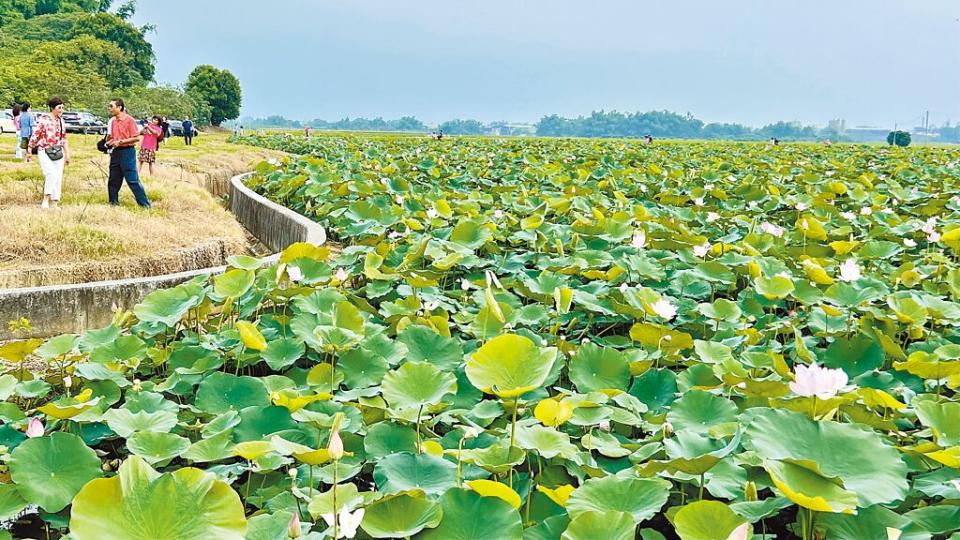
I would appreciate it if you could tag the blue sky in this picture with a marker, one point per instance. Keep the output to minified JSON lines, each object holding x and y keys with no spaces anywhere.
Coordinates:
{"x":874,"y":62}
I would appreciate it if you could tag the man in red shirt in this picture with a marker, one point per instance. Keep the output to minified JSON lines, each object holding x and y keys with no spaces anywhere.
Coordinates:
{"x":123,"y":138}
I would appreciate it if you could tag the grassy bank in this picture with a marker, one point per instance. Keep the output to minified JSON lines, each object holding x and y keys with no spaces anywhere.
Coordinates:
{"x":88,"y":240}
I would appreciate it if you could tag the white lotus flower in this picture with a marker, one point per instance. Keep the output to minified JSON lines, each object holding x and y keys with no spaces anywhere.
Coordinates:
{"x":850,"y":270}
{"x":866,"y":211}
{"x":909,"y":242}
{"x":294,"y":273}
{"x":801,"y":206}
{"x":639,"y":239}
{"x":498,"y":213}
{"x":771,"y":229}
{"x":804,"y":224}
{"x":933,"y":237}
{"x":698,"y":201}
{"x":818,"y":381}
{"x":465,"y":284}
{"x":849,"y":216}
{"x":701,"y":251}
{"x":347,"y":522}
{"x":643,"y":188}
{"x":400,"y":199}
{"x":930,"y":226}
{"x":664,"y":309}
{"x":341,"y":274}
{"x":712,"y":216}
{"x":624,"y":287}
{"x":431,"y":213}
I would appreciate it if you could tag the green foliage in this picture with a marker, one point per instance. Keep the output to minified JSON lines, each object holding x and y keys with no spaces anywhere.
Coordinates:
{"x":462,"y":127}
{"x":219,"y":89}
{"x":532,"y":339}
{"x":129,"y":38}
{"x":899,"y":138}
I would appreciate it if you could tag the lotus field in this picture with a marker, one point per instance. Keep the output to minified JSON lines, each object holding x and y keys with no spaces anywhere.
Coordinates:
{"x":527,"y":339}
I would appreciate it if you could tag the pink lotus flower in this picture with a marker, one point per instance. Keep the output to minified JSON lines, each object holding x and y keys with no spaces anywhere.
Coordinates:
{"x":35,"y":428}
{"x":771,"y":229}
{"x":293,"y":529}
{"x":740,"y":533}
{"x":341,"y":274}
{"x":933,"y":237}
{"x":818,"y":381}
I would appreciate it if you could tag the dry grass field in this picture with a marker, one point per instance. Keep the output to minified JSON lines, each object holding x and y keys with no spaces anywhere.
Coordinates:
{"x":88,"y":240}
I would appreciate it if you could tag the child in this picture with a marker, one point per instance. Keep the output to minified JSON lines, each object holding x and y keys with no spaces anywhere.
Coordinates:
{"x":148,"y":147}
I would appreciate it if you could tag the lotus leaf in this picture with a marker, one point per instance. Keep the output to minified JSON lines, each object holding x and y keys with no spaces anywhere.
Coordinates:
{"x":510,"y":366}
{"x":49,"y":471}
{"x":470,"y":516}
{"x":401,"y":515}
{"x":142,"y":503}
{"x":706,"y":520}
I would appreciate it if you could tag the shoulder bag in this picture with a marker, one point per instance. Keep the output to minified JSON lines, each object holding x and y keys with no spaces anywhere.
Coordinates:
{"x":55,"y":152}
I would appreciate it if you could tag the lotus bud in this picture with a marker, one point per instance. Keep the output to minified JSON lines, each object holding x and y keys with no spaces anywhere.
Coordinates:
{"x":604,"y":426}
{"x":667,"y":429}
{"x":750,"y":492}
{"x":465,"y":284}
{"x":293,"y":529}
{"x":335,"y":446}
{"x":341,"y":274}
{"x":67,"y":381}
{"x":668,"y":338}
{"x":35,"y":428}
{"x":137,"y":386}
{"x":470,"y":432}
{"x":293,"y":472}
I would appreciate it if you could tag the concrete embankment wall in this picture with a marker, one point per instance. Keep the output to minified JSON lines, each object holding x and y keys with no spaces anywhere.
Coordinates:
{"x":59,"y":309}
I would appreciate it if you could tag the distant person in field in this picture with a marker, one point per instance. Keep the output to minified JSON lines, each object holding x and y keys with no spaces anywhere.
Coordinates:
{"x":164,"y":130}
{"x":826,"y":142}
{"x":27,"y":124}
{"x":306,"y":131}
{"x":151,"y":134}
{"x":50,"y":141}
{"x":123,"y":139}
{"x":439,"y":134}
{"x":187,"y":130}
{"x":648,"y":139}
{"x":16,"y":127}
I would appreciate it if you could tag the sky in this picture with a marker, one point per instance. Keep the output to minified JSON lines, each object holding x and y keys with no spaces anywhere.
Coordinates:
{"x":870,"y":62}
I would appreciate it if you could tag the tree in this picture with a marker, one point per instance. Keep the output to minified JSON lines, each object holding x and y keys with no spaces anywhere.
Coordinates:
{"x":90,"y":53}
{"x":462,"y":127}
{"x":899,"y":138}
{"x":109,"y":27}
{"x":219,"y":89}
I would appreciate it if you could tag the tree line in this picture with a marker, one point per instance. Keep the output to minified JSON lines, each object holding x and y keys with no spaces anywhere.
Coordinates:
{"x":87,"y":51}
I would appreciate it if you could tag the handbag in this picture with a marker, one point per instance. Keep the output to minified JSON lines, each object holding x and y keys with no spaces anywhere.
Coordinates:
{"x":55,"y":152}
{"x":102,"y":145}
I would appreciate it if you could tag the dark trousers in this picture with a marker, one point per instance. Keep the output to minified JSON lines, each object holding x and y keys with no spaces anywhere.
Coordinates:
{"x":123,"y":165}
{"x":188,"y":139}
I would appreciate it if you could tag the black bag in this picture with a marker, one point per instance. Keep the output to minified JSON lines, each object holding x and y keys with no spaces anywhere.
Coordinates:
{"x":55,"y":152}
{"x":102,"y":145}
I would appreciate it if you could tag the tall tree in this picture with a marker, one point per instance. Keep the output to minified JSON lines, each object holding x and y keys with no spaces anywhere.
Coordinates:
{"x":219,"y":89}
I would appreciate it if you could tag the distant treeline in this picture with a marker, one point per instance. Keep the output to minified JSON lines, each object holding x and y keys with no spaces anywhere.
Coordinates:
{"x":658,"y":124}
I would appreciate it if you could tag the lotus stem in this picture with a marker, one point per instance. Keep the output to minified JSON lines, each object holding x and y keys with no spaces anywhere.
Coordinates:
{"x":814,"y":411}
{"x":513,"y":425}
{"x":419,"y":412}
{"x":335,"y":463}
{"x":700,"y":496}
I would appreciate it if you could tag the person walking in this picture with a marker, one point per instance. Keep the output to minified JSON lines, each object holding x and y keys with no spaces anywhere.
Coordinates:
{"x":50,"y":140}
{"x":151,"y":139}
{"x":187,"y":130}
{"x":16,"y":128}
{"x":122,"y":143}
{"x":26,"y":125}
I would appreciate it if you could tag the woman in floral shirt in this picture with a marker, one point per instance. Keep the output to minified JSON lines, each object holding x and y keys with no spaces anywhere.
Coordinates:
{"x":49,"y":134}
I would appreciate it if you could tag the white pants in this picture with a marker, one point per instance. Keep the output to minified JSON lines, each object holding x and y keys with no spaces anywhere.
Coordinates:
{"x":52,"y":175}
{"x":19,"y":150}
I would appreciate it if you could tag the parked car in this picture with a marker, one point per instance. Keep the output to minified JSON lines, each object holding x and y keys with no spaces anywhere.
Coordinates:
{"x":83,"y":122}
{"x":6,"y":122}
{"x":176,"y":129}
